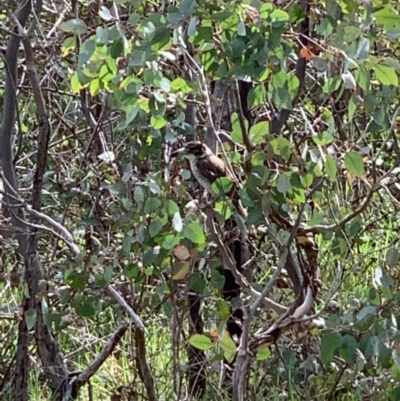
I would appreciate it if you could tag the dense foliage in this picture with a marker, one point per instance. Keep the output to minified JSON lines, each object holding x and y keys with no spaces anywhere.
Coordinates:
{"x":120,"y":279}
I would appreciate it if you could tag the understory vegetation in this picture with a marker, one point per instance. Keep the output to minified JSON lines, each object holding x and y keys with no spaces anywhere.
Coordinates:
{"x":120,"y":279}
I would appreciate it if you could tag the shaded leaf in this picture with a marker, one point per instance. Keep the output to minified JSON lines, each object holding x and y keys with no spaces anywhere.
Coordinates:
{"x":180,"y":270}
{"x":354,"y":163}
{"x":330,"y":168}
{"x":329,"y":343}
{"x":283,"y":184}
{"x":76,"y":26}
{"x":392,"y":257}
{"x":30,"y":318}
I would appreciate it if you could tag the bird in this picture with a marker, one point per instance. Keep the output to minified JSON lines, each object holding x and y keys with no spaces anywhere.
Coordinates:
{"x":207,"y":168}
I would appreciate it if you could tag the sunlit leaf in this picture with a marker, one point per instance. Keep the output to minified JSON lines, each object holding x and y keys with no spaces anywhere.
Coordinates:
{"x":258,"y":132}
{"x":263,"y":353}
{"x":387,"y":17}
{"x":201,"y":341}
{"x":194,"y":232}
{"x":386,"y":75}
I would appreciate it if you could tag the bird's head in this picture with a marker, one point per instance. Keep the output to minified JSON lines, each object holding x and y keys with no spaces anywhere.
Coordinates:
{"x":192,"y":150}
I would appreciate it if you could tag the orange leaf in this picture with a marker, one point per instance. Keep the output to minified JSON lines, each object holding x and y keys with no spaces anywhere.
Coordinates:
{"x":306,"y":53}
{"x":181,"y":252}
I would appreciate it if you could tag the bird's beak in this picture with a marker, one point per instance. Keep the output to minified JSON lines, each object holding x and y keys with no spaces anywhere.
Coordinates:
{"x":179,"y":152}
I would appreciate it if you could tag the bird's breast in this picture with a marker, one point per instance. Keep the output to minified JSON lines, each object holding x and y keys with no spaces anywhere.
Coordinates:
{"x":203,"y":181}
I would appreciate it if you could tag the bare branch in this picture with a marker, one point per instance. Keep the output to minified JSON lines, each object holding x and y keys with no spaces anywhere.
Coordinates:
{"x":131,"y":312}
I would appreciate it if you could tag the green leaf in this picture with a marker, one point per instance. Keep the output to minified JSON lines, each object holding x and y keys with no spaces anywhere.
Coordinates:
{"x":263,"y":353}
{"x":134,"y":18}
{"x":282,"y":147}
{"x":155,"y":227}
{"x":171,"y":207}
{"x":354,"y":163}
{"x":194,"y":232}
{"x":279,"y":16}
{"x":363,"y":48}
{"x":222,"y":185}
{"x":30,"y":318}
{"x":177,"y":222}
{"x":126,"y":244}
{"x":257,"y":95}
{"x":348,"y":348}
{"x":77,"y":280}
{"x":187,"y":7}
{"x":76,"y":26}
{"x":330,"y":168}
{"x":131,"y":271}
{"x":258,"y":132}
{"x":68,"y":44}
{"x":392,"y":257}
{"x":197,"y":284}
{"x":105,"y":14}
{"x":323,"y":138}
{"x":353,"y":103}
{"x":107,"y":274}
{"x":170,"y":241}
{"x":138,"y":196}
{"x":241,"y":29}
{"x":283,"y":184}
{"x":180,"y":84}
{"x":223,"y":209}
{"x":236,"y":134}
{"x":386,"y":75}
{"x":192,"y":27}
{"x":158,"y":122}
{"x":228,"y":345}
{"x":387,"y":17}
{"x":86,"y":309}
{"x":201,"y":341}
{"x":329,"y":343}
{"x":223,"y":309}
{"x":151,"y":205}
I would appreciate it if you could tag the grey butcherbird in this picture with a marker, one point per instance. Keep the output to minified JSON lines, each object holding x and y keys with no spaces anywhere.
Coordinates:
{"x":207,"y":168}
